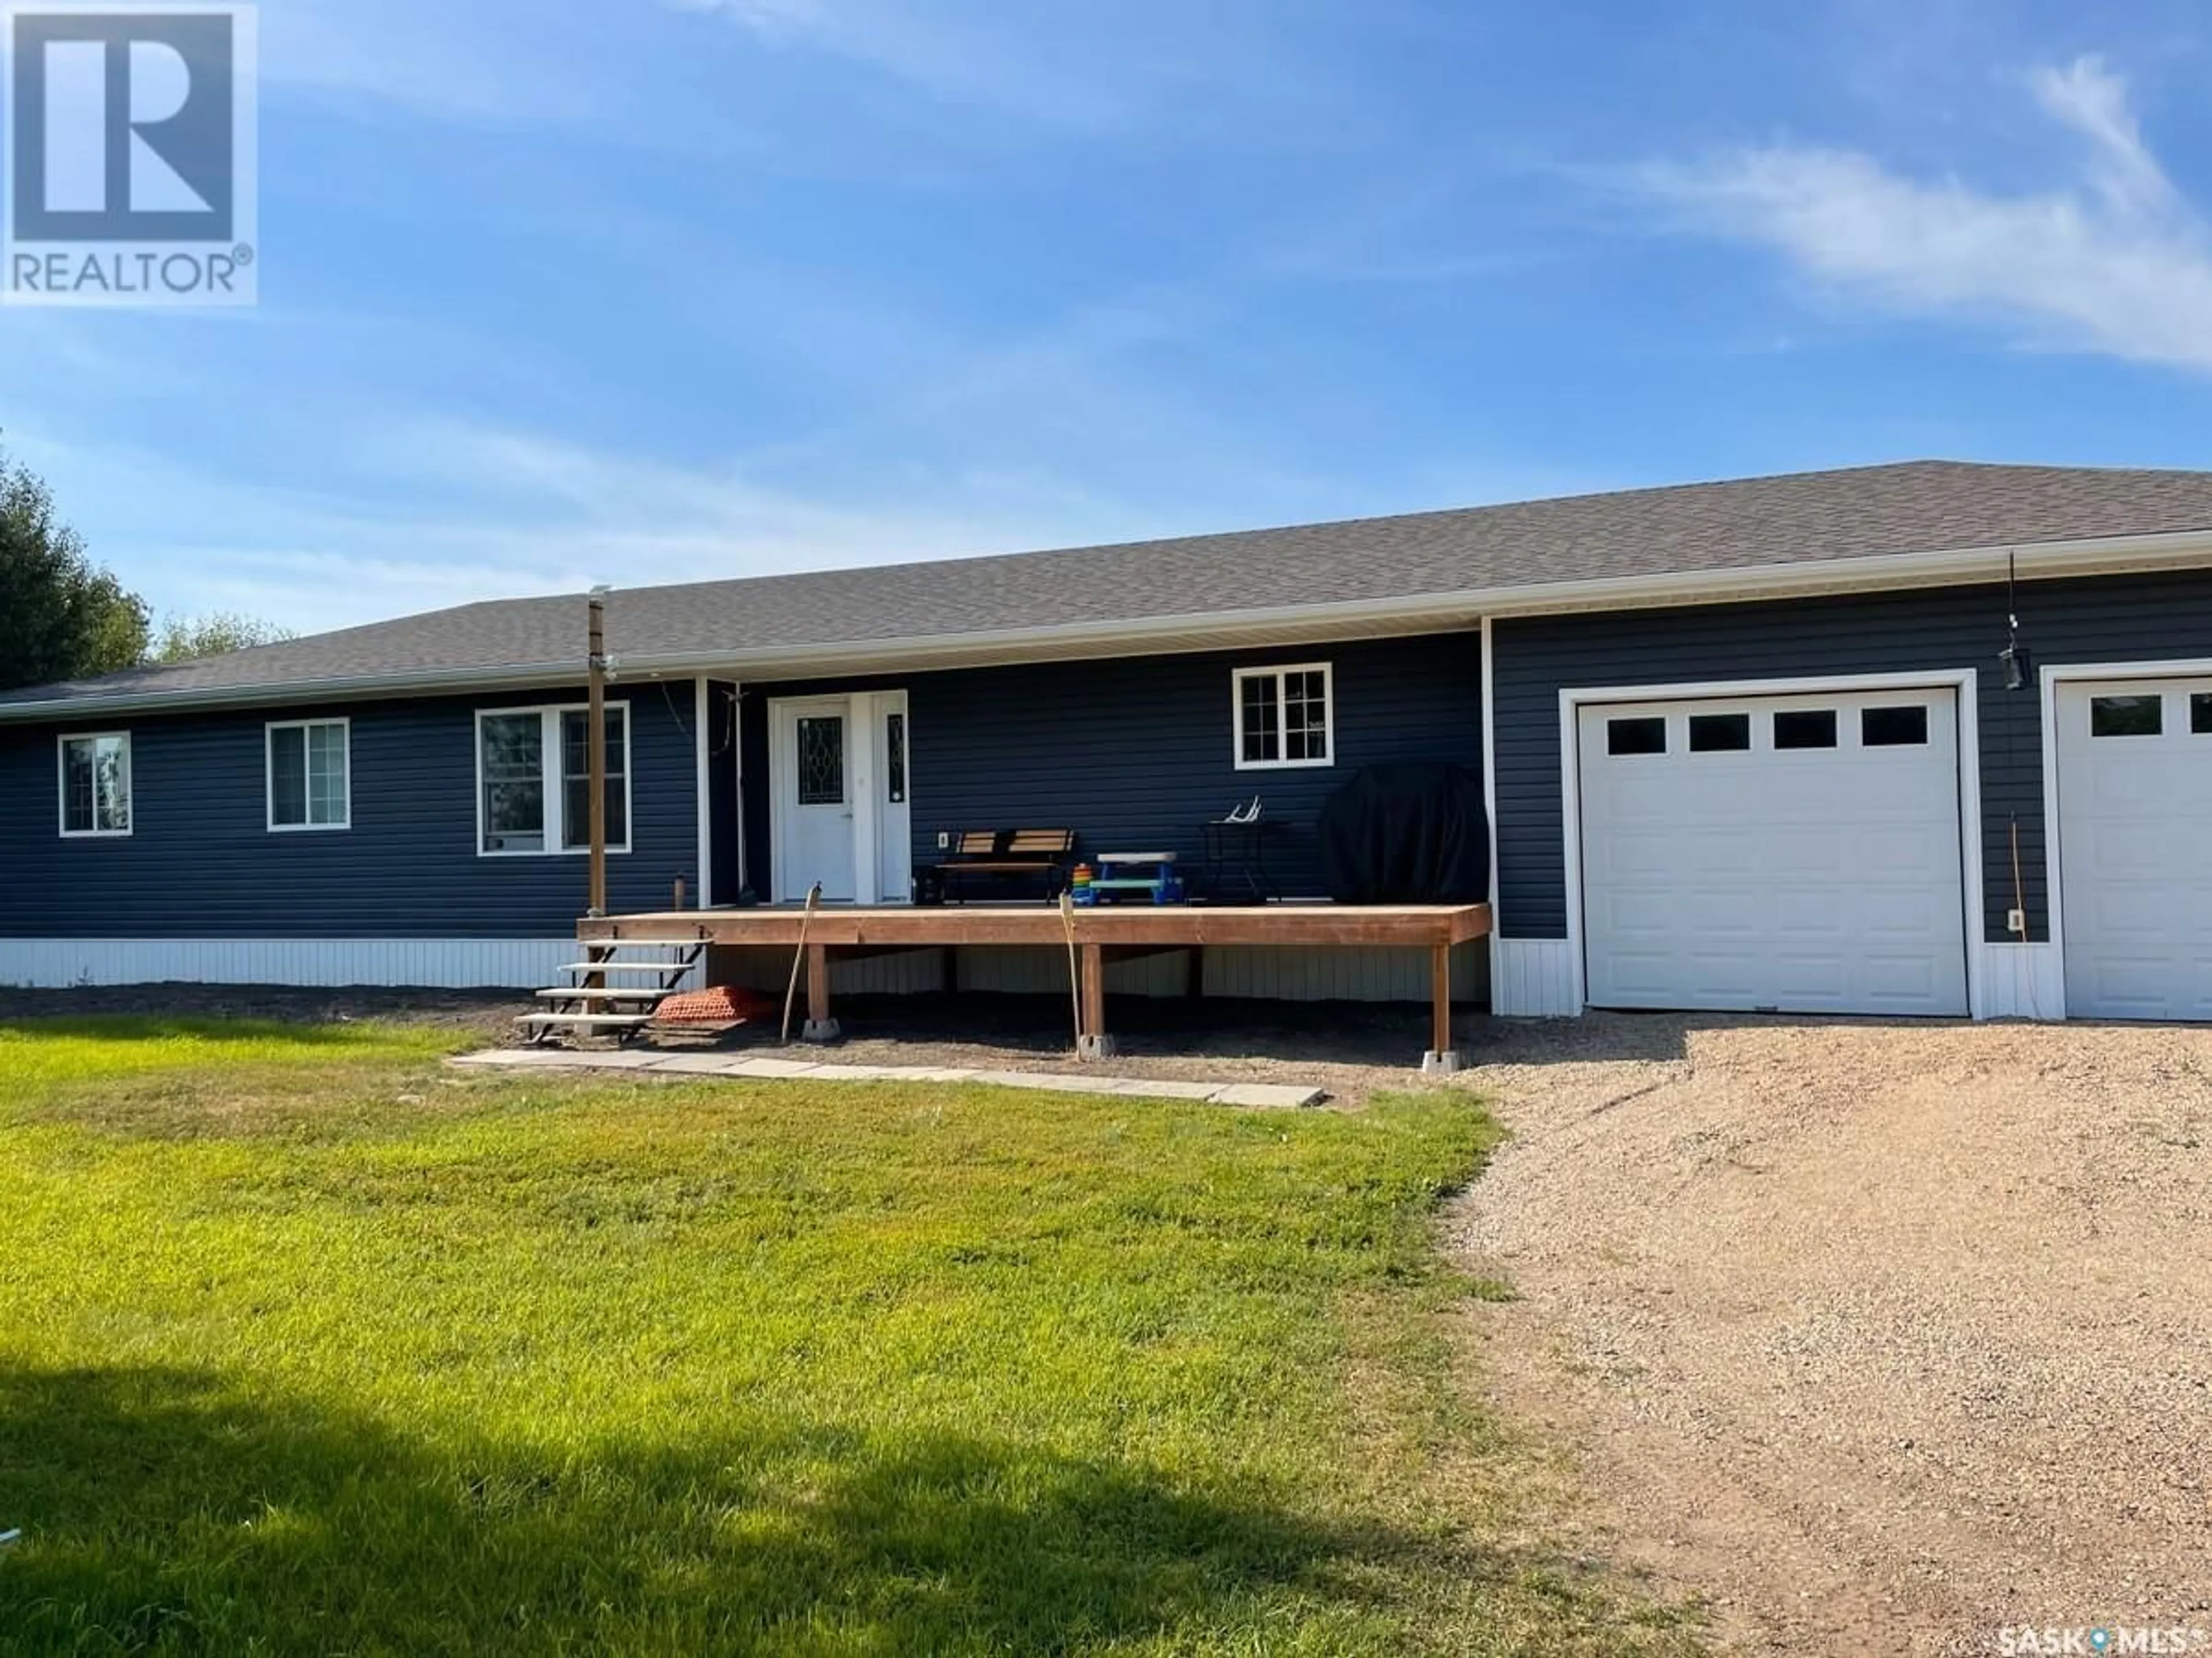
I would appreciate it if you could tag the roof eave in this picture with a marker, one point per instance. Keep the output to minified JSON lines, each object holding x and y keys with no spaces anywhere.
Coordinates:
{"x":2037,"y":560}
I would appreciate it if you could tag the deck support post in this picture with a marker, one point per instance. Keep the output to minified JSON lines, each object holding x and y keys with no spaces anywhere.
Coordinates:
{"x":1443,"y":1059}
{"x":819,"y":1026}
{"x":1096,"y":1043}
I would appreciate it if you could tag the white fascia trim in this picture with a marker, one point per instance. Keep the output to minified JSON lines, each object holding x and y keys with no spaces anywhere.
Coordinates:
{"x":2050,"y":676}
{"x":2038,"y":561}
{"x":1963,"y":681}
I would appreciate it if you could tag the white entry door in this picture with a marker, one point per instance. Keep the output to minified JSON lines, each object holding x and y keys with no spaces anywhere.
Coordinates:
{"x":1800,"y":853}
{"x":843,"y":788}
{"x":2134,"y":847}
{"x":812,"y":763}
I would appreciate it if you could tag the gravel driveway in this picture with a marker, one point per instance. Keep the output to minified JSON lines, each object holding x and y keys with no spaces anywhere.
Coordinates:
{"x":1882,"y":1337}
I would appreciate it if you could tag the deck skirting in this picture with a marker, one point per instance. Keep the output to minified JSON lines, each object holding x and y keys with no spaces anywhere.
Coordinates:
{"x":429,"y":963}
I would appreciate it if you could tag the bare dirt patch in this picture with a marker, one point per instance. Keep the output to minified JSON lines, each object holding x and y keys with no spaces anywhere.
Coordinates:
{"x":1350,"y":1049}
{"x":1884,"y":1337}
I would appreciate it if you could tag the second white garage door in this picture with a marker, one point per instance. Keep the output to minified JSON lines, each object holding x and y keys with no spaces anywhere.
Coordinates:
{"x":2134,"y":846}
{"x":1800,"y":853}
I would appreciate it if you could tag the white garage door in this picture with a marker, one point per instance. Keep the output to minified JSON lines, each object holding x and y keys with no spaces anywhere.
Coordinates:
{"x":1797,"y":853}
{"x":2134,"y":847}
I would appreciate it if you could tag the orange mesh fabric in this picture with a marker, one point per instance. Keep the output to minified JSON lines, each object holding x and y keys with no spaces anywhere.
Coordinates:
{"x":722,"y":1005}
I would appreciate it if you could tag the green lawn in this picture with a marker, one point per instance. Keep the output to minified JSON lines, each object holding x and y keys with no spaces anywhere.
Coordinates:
{"x":308,"y":1346}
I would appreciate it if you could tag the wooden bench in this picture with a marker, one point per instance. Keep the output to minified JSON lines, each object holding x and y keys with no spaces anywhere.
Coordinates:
{"x":1008,"y":854}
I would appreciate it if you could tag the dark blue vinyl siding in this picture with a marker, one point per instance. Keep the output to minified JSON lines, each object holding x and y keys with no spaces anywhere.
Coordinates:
{"x":1136,"y":753}
{"x":200,"y":861}
{"x":2111,"y":619}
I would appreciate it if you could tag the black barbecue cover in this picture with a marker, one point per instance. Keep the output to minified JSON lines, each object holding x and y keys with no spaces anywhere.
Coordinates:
{"x":1407,"y":834}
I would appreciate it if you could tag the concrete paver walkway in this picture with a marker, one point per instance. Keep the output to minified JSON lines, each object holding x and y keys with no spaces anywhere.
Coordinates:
{"x":752,"y":1067}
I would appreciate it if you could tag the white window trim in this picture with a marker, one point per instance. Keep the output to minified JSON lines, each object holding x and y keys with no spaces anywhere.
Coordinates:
{"x":550,"y":770}
{"x":61,"y":787}
{"x":1276,"y":672}
{"x":269,"y":773}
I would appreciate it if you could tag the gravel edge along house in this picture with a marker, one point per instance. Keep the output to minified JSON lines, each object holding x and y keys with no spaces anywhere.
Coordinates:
{"x":1928,"y":738}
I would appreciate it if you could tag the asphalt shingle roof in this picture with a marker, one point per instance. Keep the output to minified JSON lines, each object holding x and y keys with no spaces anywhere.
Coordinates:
{"x":1800,"y":517}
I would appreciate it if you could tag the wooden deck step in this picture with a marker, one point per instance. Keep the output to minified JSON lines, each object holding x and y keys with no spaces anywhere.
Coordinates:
{"x":611,"y":994}
{"x":626,"y":967}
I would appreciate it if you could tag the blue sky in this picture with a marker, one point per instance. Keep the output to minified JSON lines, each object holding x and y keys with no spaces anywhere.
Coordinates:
{"x":562,"y":291}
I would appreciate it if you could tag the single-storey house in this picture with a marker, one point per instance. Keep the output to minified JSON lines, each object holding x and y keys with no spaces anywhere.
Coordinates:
{"x":1922,"y":739}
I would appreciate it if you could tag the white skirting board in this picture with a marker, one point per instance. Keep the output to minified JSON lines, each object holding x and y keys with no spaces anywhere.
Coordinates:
{"x":2021,"y":981}
{"x":434,"y":963}
{"x":1534,"y":979}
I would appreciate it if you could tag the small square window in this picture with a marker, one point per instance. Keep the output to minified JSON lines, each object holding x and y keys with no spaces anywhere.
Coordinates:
{"x":1905,"y":726}
{"x":2200,"y":713}
{"x":2127,"y":716}
{"x":1719,"y":733}
{"x":1282,"y":716}
{"x":1805,"y":728}
{"x":96,"y":784}
{"x":1640,"y":734}
{"x":308,"y":786}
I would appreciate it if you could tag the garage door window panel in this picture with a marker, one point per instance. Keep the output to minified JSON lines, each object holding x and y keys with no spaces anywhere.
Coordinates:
{"x":2127,"y":716}
{"x":2200,"y":713}
{"x":1805,"y":728}
{"x":1720,"y":733}
{"x":1897,"y":727}
{"x":1642,"y":735}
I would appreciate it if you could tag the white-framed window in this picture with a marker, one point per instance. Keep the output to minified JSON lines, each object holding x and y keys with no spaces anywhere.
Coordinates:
{"x":310,"y":766}
{"x":533,"y":780}
{"x":95,"y":783}
{"x":1283,"y":716}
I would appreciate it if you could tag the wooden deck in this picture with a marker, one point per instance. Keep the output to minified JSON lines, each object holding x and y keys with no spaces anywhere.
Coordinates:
{"x":1105,"y":933}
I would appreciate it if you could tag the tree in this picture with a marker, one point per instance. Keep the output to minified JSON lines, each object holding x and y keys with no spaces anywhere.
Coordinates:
{"x":61,"y":615}
{"x":184,"y":638}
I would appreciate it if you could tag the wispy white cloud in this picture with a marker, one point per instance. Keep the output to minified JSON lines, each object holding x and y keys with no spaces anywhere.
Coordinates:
{"x":493,"y":60}
{"x":1246,"y":71}
{"x":445,"y":511}
{"x":1001,"y":64}
{"x":2112,"y":259}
